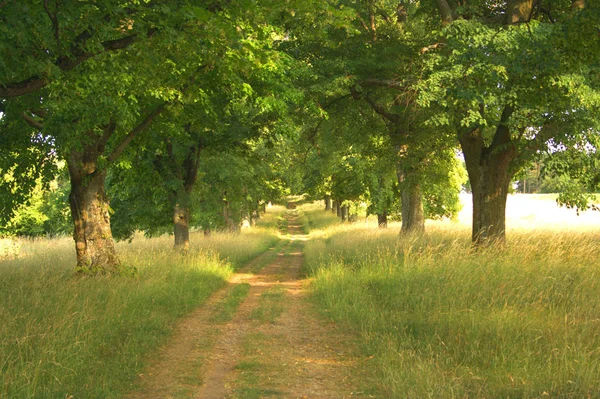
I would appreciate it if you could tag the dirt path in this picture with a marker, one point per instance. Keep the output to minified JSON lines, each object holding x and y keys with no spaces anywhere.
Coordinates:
{"x":273,"y":346}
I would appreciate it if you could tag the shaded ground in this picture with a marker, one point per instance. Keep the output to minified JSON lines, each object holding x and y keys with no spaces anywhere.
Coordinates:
{"x":274,"y":345}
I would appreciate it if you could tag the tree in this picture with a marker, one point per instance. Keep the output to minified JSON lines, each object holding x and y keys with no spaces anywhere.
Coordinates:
{"x":372,"y":55}
{"x":90,"y":104}
{"x":507,"y":82}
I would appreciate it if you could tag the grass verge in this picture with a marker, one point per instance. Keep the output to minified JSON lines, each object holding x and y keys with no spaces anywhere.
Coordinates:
{"x":63,"y":336}
{"x":439,"y":320}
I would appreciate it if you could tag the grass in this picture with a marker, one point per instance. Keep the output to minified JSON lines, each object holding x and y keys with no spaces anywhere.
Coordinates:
{"x":270,"y":306}
{"x":65,"y":336}
{"x":255,"y":371}
{"x":439,"y":320}
{"x":228,"y":306}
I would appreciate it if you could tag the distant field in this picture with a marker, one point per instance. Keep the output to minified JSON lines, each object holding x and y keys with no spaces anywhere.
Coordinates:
{"x":538,"y":211}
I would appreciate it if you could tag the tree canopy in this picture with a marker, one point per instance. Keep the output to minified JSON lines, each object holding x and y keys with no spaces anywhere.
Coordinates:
{"x":176,"y":115}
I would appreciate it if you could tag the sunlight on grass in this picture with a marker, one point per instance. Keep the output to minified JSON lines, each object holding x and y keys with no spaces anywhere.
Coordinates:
{"x":63,"y":335}
{"x":441,"y":320}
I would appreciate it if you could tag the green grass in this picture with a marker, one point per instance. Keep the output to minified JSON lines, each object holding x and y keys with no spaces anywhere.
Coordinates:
{"x":228,"y":306}
{"x":440,"y":320}
{"x":63,"y":335}
{"x":253,"y":381}
{"x":270,"y":306}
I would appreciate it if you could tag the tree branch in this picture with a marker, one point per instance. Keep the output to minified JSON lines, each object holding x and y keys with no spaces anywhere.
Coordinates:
{"x":502,"y":134}
{"x":381,"y":83}
{"x":32,"y":122}
{"x":135,"y":131}
{"x":378,"y":108}
{"x":335,"y":100}
{"x":54,"y":20}
{"x":108,"y":130}
{"x":65,"y":63}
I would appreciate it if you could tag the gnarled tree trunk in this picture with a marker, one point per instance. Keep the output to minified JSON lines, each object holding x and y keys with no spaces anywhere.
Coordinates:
{"x":490,"y":173}
{"x":89,"y":205}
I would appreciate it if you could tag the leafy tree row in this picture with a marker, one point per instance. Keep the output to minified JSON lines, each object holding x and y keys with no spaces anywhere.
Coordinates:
{"x":188,"y":114}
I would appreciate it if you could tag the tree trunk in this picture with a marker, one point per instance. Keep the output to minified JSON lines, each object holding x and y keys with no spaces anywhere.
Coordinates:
{"x":345,"y":213}
{"x":228,"y":216}
{"x":382,"y":220}
{"x":446,"y":12}
{"x":327,"y":203}
{"x":187,"y":173}
{"x":489,"y":169}
{"x":413,"y":217}
{"x":94,"y":244}
{"x":252,"y":217}
{"x":181,"y":223}
{"x":338,"y":208}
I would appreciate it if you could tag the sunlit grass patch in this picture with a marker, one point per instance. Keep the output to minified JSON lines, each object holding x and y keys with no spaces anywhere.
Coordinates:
{"x":442,"y":320}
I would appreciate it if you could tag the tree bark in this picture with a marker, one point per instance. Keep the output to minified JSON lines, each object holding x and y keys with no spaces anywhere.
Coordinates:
{"x":338,"y":208}
{"x":382,"y":220}
{"x":230,"y":224}
{"x":94,"y":244}
{"x":446,"y":12}
{"x":181,"y":229}
{"x":327,"y":203}
{"x":413,"y":217}
{"x":490,"y":173}
{"x":345,"y":213}
{"x":187,"y":173}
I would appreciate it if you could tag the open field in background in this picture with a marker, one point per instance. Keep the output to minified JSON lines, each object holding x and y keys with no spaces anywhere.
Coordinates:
{"x":536,"y":212}
{"x":439,"y":320}
{"x":63,"y":335}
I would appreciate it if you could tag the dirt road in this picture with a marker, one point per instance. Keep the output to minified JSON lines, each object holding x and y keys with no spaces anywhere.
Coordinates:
{"x":273,"y":346}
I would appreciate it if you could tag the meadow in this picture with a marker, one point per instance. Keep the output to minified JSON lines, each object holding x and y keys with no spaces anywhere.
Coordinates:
{"x":66,"y":336}
{"x":436,"y":319}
